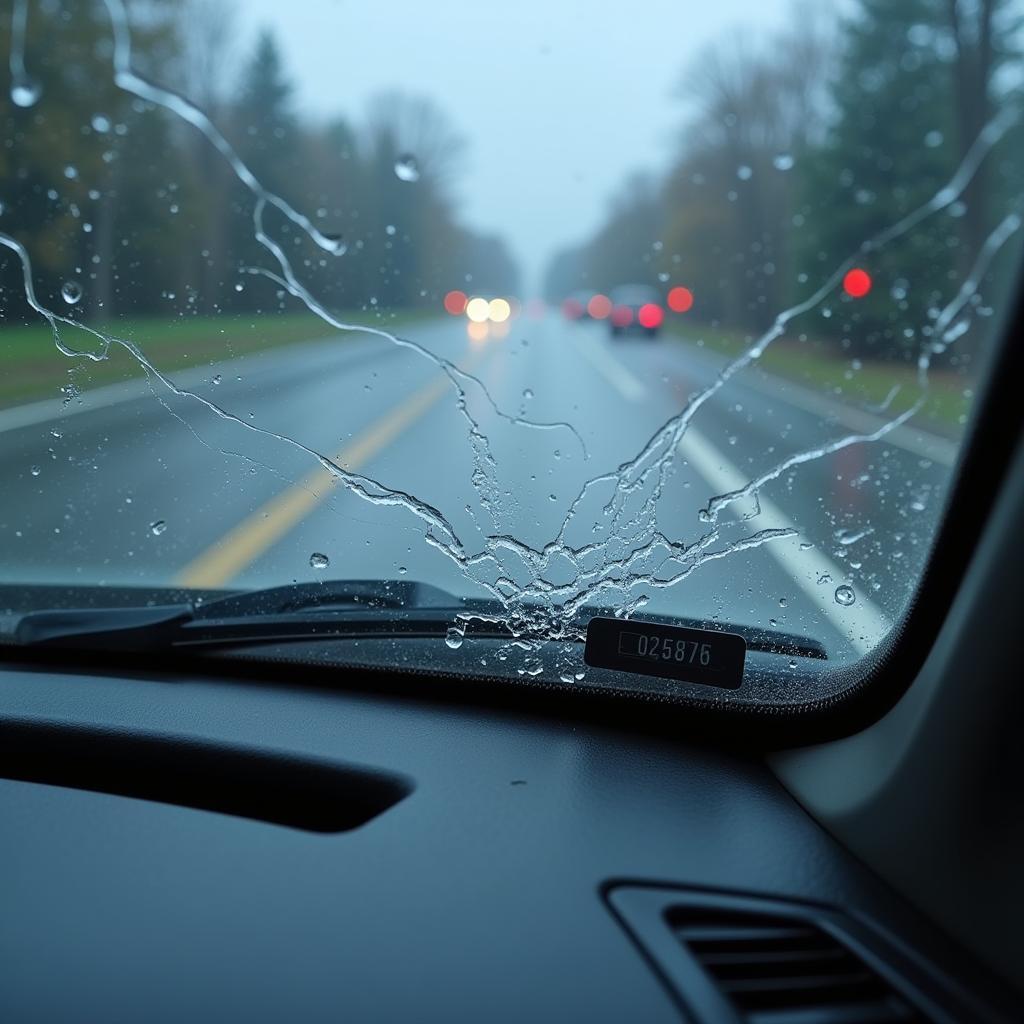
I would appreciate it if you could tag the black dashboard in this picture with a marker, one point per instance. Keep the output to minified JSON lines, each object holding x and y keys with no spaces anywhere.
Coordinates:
{"x":191,"y":848}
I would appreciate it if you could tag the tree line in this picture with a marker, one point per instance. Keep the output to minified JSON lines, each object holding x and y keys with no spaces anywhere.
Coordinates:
{"x":800,"y":147}
{"x":137,"y":207}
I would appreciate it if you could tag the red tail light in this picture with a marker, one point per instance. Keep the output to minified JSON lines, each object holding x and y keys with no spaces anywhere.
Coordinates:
{"x":622,"y":316}
{"x":599,"y":306}
{"x":651,"y":315}
{"x":680,"y":299}
{"x":455,"y":302}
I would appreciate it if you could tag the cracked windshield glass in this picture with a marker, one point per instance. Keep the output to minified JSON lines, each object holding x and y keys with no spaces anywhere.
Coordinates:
{"x":470,"y":323}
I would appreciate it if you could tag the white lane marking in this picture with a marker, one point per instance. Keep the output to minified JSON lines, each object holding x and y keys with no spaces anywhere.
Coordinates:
{"x":610,"y":368}
{"x":862,"y":623}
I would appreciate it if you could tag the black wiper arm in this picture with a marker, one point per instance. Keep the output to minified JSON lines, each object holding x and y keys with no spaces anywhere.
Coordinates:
{"x":315,"y":611}
{"x":299,"y":609}
{"x":112,"y":628}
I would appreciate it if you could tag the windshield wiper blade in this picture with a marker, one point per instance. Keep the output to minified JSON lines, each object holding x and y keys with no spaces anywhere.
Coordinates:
{"x":341,"y":608}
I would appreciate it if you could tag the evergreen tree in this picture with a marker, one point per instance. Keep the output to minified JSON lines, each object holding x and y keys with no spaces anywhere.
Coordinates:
{"x":901,"y":127}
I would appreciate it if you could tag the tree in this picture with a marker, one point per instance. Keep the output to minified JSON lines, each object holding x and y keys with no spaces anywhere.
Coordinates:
{"x":913,"y":89}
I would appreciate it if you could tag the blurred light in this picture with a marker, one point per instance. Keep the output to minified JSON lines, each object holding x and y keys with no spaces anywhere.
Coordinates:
{"x":572,"y":309}
{"x":622,"y":316}
{"x":680,"y":299}
{"x":478,"y":310}
{"x":477,"y":331}
{"x":857,"y":283}
{"x":499,"y":310}
{"x":455,"y":302}
{"x":650,"y":315}
{"x":599,"y":306}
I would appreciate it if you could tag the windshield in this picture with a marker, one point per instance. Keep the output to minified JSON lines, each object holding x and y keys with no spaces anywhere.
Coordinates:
{"x":675,"y":316}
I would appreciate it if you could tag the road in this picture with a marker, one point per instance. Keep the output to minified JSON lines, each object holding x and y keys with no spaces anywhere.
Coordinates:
{"x":244,"y":504}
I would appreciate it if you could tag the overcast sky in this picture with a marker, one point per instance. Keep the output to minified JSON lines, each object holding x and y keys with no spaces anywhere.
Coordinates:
{"x":558,"y":99}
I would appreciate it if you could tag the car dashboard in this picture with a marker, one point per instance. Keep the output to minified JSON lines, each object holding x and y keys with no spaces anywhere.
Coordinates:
{"x":223,"y":849}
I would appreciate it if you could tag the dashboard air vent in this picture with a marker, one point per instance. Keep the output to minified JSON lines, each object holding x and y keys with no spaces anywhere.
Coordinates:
{"x":776,"y":969}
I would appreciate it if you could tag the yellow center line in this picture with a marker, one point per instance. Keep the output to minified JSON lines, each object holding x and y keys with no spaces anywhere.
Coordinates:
{"x":259,"y":531}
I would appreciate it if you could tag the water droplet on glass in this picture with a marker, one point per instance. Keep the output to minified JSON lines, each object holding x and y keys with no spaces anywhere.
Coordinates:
{"x":933,"y":139}
{"x":318,"y":560}
{"x":100,"y":123}
{"x":25,"y":92}
{"x":157,"y":528}
{"x":71,"y":292}
{"x":35,"y":471}
{"x":70,"y":172}
{"x":389,"y":229}
{"x":454,"y":637}
{"x":783,"y":162}
{"x":402,"y":570}
{"x":744,"y":173}
{"x":782,"y":602}
{"x":406,"y":168}
{"x":845,"y":595}
{"x":527,"y":394}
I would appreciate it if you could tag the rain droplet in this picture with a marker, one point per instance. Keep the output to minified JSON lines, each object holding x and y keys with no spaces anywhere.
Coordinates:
{"x":845,"y":595}
{"x":402,"y":570}
{"x":933,"y":139}
{"x":318,"y":560}
{"x":782,"y":602}
{"x":157,"y":528}
{"x":783,"y":162}
{"x":406,"y":168}
{"x":454,"y":637}
{"x":216,"y":378}
{"x":100,"y":123}
{"x":744,"y":173}
{"x":389,"y":229}
{"x":35,"y":471}
{"x":70,"y":172}
{"x":25,"y":92}
{"x":71,"y":292}
{"x":527,"y":394}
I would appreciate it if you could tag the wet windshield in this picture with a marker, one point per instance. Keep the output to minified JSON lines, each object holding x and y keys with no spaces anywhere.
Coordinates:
{"x":680,"y":313}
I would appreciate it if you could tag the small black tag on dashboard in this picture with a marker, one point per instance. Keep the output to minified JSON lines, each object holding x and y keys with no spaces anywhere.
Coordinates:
{"x":703,"y":656}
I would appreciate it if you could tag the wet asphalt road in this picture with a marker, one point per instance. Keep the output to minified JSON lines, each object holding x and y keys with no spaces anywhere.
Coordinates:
{"x":248,"y":507}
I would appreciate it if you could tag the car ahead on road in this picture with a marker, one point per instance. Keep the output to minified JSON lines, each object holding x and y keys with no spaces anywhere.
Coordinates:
{"x":636,"y":308}
{"x":577,"y":305}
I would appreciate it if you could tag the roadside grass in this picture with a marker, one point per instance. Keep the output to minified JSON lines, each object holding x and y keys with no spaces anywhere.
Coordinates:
{"x":835,"y":375}
{"x":32,"y":367}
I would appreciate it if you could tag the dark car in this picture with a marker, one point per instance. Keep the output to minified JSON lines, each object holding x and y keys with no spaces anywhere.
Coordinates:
{"x":636,"y":308}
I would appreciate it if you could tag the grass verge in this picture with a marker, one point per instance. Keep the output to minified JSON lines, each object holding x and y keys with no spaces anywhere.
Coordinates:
{"x":839,"y":377}
{"x":31,"y":366}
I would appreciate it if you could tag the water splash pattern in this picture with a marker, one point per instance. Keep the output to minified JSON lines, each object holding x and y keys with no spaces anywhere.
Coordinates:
{"x":630,"y":555}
